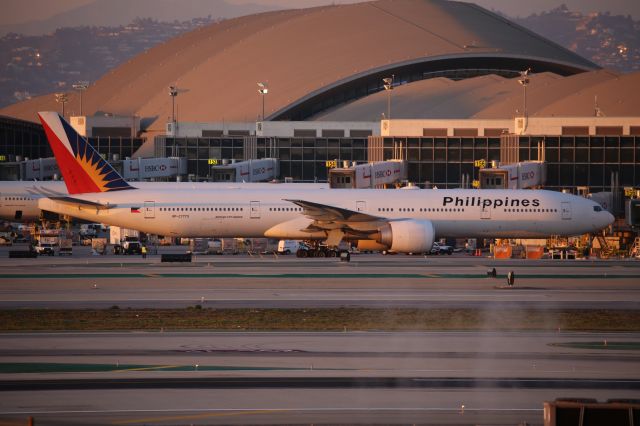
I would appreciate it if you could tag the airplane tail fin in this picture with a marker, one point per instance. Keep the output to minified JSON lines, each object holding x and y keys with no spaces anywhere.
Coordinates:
{"x":82,"y":167}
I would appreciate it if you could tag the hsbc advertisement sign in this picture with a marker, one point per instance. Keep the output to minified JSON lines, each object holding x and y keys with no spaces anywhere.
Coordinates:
{"x":386,"y":172}
{"x":143,"y":168}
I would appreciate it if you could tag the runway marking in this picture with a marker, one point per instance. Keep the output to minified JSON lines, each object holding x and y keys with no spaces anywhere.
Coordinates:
{"x":195,"y":416}
{"x":45,"y":367}
{"x":157,"y":367}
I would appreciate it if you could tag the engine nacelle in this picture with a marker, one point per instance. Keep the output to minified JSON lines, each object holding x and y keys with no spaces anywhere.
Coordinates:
{"x":408,"y":236}
{"x":370,"y":245}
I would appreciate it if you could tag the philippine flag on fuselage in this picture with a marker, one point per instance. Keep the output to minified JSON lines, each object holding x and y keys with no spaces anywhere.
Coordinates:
{"x":135,"y":209}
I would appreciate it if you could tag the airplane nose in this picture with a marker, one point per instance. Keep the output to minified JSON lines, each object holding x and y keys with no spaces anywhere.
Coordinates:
{"x":609,"y":219}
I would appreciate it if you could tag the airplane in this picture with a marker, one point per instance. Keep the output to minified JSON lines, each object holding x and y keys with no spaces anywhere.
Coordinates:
{"x":400,"y":221}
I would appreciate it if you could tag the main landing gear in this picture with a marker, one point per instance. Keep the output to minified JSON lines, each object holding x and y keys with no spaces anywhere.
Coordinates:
{"x":314,"y":249}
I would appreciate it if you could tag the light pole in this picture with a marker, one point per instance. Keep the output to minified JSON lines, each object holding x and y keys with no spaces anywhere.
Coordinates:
{"x":173,"y":92}
{"x":524,"y":81}
{"x":388,"y":86}
{"x":263,"y":90}
{"x":62,"y":98}
{"x":81,"y":86}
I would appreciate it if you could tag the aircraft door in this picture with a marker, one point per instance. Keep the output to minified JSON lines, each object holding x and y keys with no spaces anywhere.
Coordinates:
{"x":254,"y":210}
{"x":149,"y":209}
{"x":486,"y":212}
{"x":361,"y":206}
{"x":566,"y":210}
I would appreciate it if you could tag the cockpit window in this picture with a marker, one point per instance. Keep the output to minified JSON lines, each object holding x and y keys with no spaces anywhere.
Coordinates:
{"x":597,"y":208}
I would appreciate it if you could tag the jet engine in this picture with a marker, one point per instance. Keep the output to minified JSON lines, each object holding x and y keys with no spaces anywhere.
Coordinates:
{"x":407,"y":236}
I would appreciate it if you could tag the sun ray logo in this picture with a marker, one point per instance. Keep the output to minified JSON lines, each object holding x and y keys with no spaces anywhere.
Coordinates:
{"x":83,"y":168}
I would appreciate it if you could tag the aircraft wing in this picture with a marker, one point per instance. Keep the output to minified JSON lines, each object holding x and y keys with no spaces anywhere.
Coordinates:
{"x":327,"y":213}
{"x":82,"y":203}
{"x":62,"y":198}
{"x":339,"y":221}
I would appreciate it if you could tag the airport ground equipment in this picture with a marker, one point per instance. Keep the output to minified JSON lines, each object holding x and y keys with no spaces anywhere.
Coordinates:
{"x":51,"y":240}
{"x":45,"y":249}
{"x":131,"y":245}
{"x":316,"y":249}
{"x":438,"y":248}
{"x":635,"y":248}
{"x":65,"y":247}
{"x":99,"y":245}
{"x":288,"y":246}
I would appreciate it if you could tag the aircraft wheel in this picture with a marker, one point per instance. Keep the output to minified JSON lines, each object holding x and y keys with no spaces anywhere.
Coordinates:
{"x":321,"y":253}
{"x":332,"y":253}
{"x":301,"y":253}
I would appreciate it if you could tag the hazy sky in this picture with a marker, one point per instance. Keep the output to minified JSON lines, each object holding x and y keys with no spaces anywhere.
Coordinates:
{"x":17,"y":11}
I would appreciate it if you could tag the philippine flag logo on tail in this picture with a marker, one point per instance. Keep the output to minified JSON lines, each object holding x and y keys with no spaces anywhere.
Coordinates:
{"x":82,"y":167}
{"x":135,"y":209}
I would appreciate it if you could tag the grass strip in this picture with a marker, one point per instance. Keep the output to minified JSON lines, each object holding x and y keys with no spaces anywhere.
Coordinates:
{"x":339,"y":319}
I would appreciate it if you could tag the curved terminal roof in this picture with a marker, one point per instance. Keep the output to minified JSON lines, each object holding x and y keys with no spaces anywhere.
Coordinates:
{"x":495,"y":97}
{"x":312,"y":59}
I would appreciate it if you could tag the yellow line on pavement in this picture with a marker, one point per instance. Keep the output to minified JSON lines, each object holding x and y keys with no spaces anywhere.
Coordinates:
{"x":191,"y":417}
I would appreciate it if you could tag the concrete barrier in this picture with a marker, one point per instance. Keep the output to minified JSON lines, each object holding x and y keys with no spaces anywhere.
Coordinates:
{"x":22,"y":254}
{"x":176,"y":257}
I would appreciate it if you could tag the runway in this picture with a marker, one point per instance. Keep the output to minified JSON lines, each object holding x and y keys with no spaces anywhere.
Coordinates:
{"x":351,"y":377}
{"x":252,"y":378}
{"x":284,"y":282}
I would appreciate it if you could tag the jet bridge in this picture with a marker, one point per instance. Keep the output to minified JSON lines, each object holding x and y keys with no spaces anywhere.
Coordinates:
{"x":523,"y":175}
{"x":261,"y":170}
{"x":368,"y":175}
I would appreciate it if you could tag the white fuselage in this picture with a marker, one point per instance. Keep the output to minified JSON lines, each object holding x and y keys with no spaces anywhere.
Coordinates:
{"x":265,"y":212}
{"x":19,"y":200}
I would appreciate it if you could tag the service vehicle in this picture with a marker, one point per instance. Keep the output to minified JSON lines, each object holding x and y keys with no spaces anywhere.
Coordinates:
{"x":45,"y":249}
{"x":288,"y":246}
{"x":131,"y":245}
{"x":439,"y":248}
